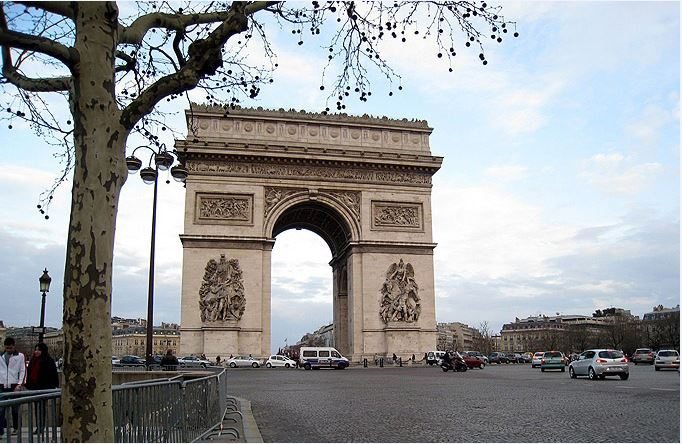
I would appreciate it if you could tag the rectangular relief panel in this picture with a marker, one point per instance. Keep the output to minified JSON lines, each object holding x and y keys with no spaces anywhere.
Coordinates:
{"x":227,"y":209}
{"x":397,"y":216}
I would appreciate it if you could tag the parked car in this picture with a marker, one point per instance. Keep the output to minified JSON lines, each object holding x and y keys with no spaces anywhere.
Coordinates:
{"x":599,"y":363}
{"x":131,"y":360}
{"x":193,"y":361}
{"x":498,"y":358}
{"x":537,"y":359}
{"x":515,"y":358}
{"x":477,"y":354}
{"x":280,"y":361}
{"x":667,"y":359}
{"x":553,"y":360}
{"x":115,"y":360}
{"x":243,"y":361}
{"x":527,"y":357}
{"x":643,"y":355}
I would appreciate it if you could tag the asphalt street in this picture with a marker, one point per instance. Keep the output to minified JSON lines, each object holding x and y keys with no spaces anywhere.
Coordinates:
{"x":501,"y":403}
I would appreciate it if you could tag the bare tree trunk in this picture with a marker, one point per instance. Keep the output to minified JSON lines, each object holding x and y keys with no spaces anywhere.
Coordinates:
{"x":99,"y":174}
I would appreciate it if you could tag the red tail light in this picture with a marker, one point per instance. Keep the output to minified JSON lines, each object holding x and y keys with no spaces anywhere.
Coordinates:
{"x":601,"y":361}
{"x":651,"y":354}
{"x":543,"y":361}
{"x":624,"y":360}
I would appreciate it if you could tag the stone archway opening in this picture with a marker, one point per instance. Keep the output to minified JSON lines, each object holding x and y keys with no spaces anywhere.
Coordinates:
{"x":302,"y":287}
{"x":325,"y":221}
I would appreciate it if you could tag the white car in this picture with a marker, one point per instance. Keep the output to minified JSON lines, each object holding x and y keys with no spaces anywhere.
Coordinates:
{"x":243,"y":361}
{"x":280,"y":361}
{"x":537,"y":359}
{"x":667,"y":359}
{"x":115,"y":360}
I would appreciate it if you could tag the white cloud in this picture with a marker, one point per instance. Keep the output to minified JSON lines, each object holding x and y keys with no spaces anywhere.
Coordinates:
{"x":507,"y":172}
{"x":617,"y":173}
{"x":488,"y":233}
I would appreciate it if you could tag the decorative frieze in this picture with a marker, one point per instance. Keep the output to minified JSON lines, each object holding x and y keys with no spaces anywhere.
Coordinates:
{"x":306,"y":172}
{"x":232,"y":209}
{"x":397,"y":215}
{"x":274,"y":195}
{"x":349,"y":199}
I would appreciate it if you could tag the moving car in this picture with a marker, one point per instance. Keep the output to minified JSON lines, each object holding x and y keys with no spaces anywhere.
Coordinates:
{"x":193,"y":361}
{"x":643,"y":355}
{"x":667,"y":359}
{"x":243,"y":361}
{"x":599,"y":363}
{"x":537,"y":359}
{"x":473,"y":362}
{"x":280,"y":361}
{"x":553,"y":360}
{"x":477,"y":354}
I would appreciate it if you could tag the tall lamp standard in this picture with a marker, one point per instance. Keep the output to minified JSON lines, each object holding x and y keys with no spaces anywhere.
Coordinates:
{"x":44,"y":280}
{"x":163,"y":159}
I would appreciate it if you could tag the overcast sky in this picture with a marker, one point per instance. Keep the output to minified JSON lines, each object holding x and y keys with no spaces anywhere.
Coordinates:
{"x":559,"y":191}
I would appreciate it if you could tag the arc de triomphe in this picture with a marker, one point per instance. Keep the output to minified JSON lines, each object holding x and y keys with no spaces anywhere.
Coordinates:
{"x":362,"y":184}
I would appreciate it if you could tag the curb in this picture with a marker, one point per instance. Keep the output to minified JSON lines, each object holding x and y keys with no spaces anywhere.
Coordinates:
{"x":251,"y":431}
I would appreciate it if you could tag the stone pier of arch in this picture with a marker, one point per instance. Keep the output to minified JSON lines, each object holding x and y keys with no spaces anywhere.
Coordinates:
{"x":362,"y":184}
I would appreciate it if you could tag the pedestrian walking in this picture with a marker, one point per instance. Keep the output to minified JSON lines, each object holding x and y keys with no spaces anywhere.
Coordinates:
{"x":12,"y":376}
{"x":41,"y":375}
{"x":169,"y":361}
{"x":217,"y":360}
{"x":395,"y":358}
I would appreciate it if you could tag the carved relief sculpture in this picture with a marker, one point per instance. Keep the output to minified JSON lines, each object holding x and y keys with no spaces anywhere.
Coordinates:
{"x":221,"y":296}
{"x":399,"y":294}
{"x":224,"y":208}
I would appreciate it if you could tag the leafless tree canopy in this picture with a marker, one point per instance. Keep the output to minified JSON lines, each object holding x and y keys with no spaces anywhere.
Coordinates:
{"x":163,"y":50}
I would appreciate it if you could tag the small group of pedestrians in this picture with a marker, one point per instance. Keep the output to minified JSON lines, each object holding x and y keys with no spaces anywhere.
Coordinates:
{"x":15,"y":376}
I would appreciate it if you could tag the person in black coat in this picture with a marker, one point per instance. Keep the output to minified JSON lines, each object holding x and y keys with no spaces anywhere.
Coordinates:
{"x":41,"y":375}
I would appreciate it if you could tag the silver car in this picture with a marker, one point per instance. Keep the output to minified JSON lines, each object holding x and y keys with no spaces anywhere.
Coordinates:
{"x":600,"y":363}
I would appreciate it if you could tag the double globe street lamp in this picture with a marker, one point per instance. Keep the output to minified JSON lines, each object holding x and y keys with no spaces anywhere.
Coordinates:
{"x":163,"y":161}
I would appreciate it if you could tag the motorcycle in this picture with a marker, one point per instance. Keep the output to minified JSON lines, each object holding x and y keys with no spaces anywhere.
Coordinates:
{"x":456,"y":364}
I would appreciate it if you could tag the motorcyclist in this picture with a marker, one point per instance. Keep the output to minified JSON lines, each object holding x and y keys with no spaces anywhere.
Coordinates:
{"x":447,"y":360}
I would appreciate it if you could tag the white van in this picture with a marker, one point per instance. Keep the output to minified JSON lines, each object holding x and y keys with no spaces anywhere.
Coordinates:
{"x":321,"y":357}
{"x":433,"y":357}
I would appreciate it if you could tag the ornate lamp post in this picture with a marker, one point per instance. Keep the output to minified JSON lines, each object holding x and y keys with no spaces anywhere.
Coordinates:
{"x":163,"y":160}
{"x":44,"y":280}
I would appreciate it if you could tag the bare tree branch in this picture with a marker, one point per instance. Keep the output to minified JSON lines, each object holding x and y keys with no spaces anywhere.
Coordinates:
{"x":204,"y":59}
{"x":134,"y":34}
{"x":61,"y":8}
{"x":19,"y":40}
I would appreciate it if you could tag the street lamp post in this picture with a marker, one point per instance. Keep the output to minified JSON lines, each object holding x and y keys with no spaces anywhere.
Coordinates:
{"x":163,"y":160}
{"x":44,"y":280}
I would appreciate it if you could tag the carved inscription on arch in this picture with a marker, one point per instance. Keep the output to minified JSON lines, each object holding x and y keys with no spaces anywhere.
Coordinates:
{"x":308,"y":172}
{"x":397,"y":215}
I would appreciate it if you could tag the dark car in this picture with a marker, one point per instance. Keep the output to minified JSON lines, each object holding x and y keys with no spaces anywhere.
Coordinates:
{"x":515,"y":358}
{"x":131,"y":360}
{"x":497,"y":358}
{"x":643,"y":355}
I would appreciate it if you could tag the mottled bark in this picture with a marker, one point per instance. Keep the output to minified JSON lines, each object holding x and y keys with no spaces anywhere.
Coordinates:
{"x":99,"y":174}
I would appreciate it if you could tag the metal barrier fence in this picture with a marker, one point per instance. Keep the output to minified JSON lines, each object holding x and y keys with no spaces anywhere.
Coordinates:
{"x":162,"y":410}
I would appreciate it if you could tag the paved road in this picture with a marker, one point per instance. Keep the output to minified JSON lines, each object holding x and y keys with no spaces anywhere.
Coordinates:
{"x":502,"y":403}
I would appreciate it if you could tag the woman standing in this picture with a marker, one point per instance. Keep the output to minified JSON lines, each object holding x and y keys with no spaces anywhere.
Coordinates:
{"x":41,"y":375}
